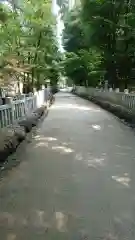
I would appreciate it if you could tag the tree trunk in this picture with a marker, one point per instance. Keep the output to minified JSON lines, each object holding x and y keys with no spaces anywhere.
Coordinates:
{"x":38,"y":44}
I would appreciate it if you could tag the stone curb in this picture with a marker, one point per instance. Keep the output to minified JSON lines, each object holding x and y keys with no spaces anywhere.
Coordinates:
{"x":121,"y":112}
{"x":11,"y":137}
{"x":32,"y":120}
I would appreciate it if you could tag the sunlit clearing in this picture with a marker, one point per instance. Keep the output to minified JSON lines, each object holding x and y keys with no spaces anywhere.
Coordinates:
{"x":41,"y":144}
{"x":96,"y":127}
{"x":63,"y":149}
{"x":97,"y":160}
{"x":125,"y":180}
{"x":40,"y":218}
{"x":79,"y":157}
{"x":125,"y":147}
{"x":65,"y":144}
{"x":61,"y":221}
{"x":94,"y":162}
{"x":49,"y":139}
{"x":37,"y":136}
{"x":75,"y":106}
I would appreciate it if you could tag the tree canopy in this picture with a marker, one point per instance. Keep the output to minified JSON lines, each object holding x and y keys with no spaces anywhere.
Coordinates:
{"x":99,"y":39}
{"x":28,"y":44}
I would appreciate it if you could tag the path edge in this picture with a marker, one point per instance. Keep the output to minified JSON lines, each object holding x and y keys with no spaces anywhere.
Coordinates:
{"x":124,"y":114}
{"x":12,"y":136}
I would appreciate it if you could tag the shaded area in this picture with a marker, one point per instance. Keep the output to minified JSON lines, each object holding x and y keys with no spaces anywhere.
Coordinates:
{"x":12,"y":136}
{"x":75,"y":180}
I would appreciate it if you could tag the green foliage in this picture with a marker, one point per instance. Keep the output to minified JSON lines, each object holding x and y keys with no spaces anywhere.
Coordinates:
{"x":28,"y":46}
{"x":101,"y":34}
{"x":73,"y":36}
{"x":83,"y":67}
{"x":80,"y":60}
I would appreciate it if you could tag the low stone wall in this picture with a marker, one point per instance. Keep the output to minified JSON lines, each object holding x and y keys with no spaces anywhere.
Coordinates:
{"x":12,"y":136}
{"x":126,"y":100}
{"x":125,"y":114}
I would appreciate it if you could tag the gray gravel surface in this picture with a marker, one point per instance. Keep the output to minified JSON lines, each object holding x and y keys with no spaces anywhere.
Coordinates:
{"x":75,"y":179}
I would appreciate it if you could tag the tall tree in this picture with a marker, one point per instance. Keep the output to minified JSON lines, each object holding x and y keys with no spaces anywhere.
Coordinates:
{"x":112,"y":32}
{"x":82,"y":63}
{"x":29,"y":49}
{"x":107,"y":28}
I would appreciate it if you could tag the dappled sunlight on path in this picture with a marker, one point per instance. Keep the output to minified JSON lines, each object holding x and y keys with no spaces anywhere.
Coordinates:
{"x":75,"y":178}
{"x":74,"y":106}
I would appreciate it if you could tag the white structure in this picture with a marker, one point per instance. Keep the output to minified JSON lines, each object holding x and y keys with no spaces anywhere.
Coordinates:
{"x":73,"y":3}
{"x":16,"y":110}
{"x":59,"y":24}
{"x":118,"y":98}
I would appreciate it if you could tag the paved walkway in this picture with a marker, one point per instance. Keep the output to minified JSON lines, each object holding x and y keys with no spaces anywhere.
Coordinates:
{"x":75,"y":179}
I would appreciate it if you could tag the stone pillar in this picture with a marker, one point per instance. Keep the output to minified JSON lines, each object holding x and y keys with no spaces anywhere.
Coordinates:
{"x":126,"y":91}
{"x":117,"y":90}
{"x":110,"y":90}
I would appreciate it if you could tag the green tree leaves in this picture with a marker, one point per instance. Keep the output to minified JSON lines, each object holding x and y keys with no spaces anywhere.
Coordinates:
{"x":102,"y":35}
{"x":27,"y":36}
{"x":80,"y":60}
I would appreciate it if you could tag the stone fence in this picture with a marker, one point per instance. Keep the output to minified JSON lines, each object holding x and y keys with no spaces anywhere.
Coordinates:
{"x":17,"y":110}
{"x":126,"y":100}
